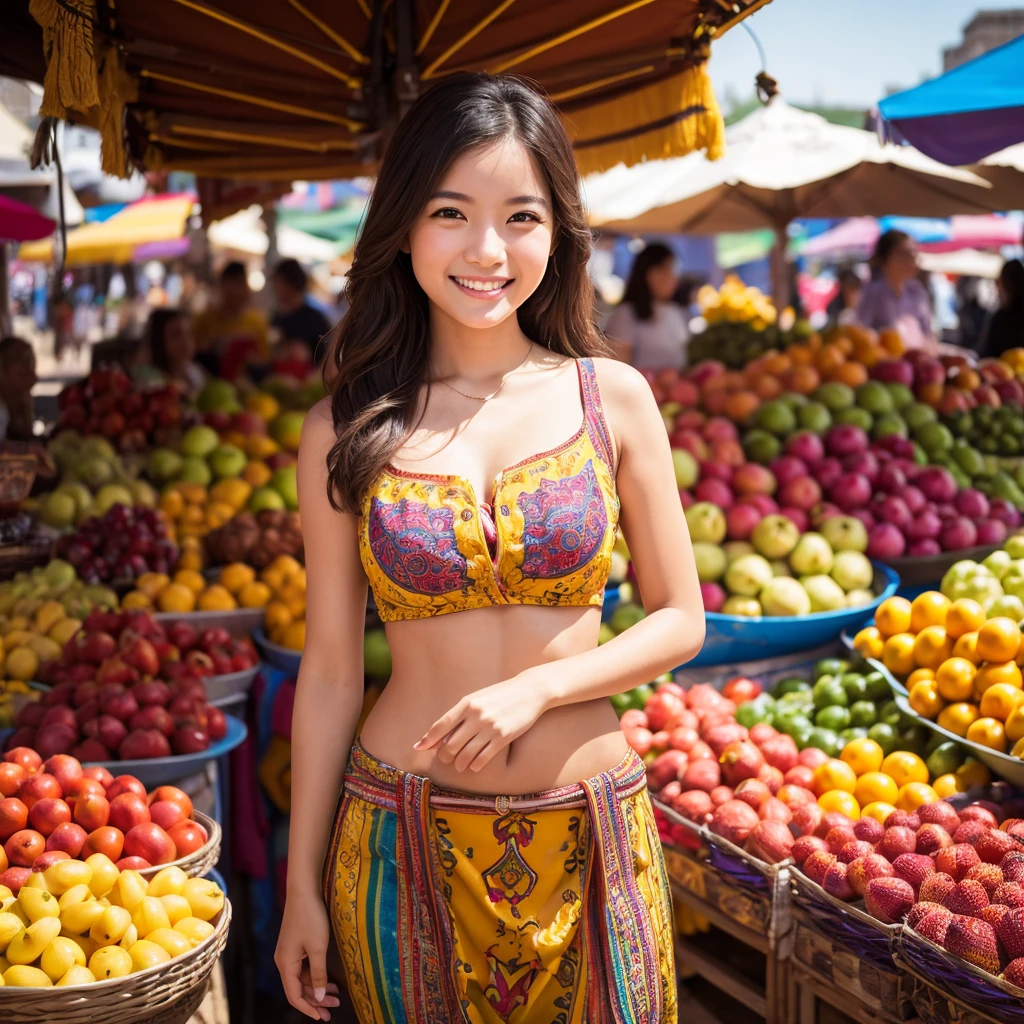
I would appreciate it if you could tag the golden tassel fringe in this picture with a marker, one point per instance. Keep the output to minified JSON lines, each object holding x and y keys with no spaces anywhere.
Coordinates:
{"x":70,"y":82}
{"x":669,"y":118}
{"x":118,"y":88}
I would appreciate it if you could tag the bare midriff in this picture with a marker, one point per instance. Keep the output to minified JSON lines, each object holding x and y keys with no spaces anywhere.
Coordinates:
{"x":439,"y":660}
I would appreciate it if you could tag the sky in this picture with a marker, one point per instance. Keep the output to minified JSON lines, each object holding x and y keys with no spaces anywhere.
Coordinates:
{"x":843,"y":52}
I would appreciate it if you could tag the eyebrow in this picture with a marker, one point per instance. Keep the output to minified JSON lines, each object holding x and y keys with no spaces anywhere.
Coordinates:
{"x":461,"y":197}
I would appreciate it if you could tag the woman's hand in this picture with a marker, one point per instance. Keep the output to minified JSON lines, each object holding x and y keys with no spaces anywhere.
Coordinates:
{"x":484,"y":722}
{"x":301,"y":956}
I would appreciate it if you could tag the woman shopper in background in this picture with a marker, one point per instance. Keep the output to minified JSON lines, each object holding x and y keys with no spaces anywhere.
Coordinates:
{"x":648,"y":328}
{"x":494,"y":849}
{"x":1006,"y":328}
{"x":171,"y":351}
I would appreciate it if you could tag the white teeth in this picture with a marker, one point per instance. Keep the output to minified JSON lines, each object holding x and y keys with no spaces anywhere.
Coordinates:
{"x":481,"y":286}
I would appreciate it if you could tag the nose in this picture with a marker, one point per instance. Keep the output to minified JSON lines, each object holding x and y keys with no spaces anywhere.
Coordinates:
{"x":486,"y":248}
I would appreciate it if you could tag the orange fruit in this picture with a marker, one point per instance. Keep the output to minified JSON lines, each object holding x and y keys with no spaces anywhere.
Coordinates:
{"x":946,"y":785}
{"x":879,"y":810}
{"x":955,"y":679}
{"x":176,"y":597}
{"x":802,"y":379}
{"x":255,"y":595}
{"x":925,"y":699}
{"x":294,"y":636}
{"x":914,"y":794}
{"x":136,"y":601}
{"x":767,"y":387}
{"x":999,"y":639}
{"x":862,"y":755}
{"x":286,"y":563}
{"x":840,"y":801}
{"x":257,"y":474}
{"x":868,"y":643}
{"x":966,"y":646}
{"x":964,"y":616}
{"x":236,"y":575}
{"x":893,"y":616}
{"x":216,"y":599}
{"x":151,"y":583}
{"x":830,"y":357}
{"x":957,"y":718}
{"x":191,"y":559}
{"x":850,"y":373}
{"x":989,"y":732}
{"x":928,"y":609}
{"x":892,"y":341}
{"x":192,"y":579}
{"x":800,"y":355}
{"x":898,"y":654}
{"x":932,"y":647}
{"x":874,"y":786}
{"x":973,"y":773}
{"x":776,"y":362}
{"x":999,"y":700}
{"x":902,"y":767}
{"x":834,"y":774}
{"x":276,"y":616}
{"x":741,"y":406}
{"x":991,"y":675}
{"x":1014,"y":724}
{"x":171,"y":503}
{"x":919,"y":675}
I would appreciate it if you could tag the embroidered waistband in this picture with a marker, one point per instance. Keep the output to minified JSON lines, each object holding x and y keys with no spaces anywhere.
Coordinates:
{"x":378,"y":783}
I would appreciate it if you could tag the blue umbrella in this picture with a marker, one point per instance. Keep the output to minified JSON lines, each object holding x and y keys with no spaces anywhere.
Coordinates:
{"x":966,"y":114}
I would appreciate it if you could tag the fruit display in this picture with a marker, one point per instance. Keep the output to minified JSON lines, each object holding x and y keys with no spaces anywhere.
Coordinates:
{"x":282,"y":591}
{"x":192,"y":511}
{"x":29,"y":641}
{"x":123,"y":690}
{"x":775,"y":569}
{"x":93,"y":478}
{"x":995,"y":583}
{"x":109,"y":404}
{"x":55,"y":809}
{"x":23,"y":594}
{"x":256,"y":539}
{"x":81,"y":921}
{"x":960,"y":667}
{"x":232,"y":587}
{"x":119,"y":545}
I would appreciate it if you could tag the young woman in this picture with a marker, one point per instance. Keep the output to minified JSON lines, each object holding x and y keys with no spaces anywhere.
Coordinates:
{"x":1006,"y":327}
{"x":649,"y":329}
{"x":494,"y":849}
{"x":172,"y":351}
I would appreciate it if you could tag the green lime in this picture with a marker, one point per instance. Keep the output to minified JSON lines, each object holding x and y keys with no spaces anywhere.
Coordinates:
{"x":793,"y":725}
{"x":751,"y":713}
{"x":945,"y":758}
{"x":640,"y":694}
{"x":624,"y":701}
{"x":878,"y":686}
{"x":884,"y":735}
{"x":863,"y":713}
{"x":827,"y":740}
{"x":890,"y":714}
{"x":935,"y":740}
{"x":828,"y":692}
{"x":830,"y":667}
{"x":793,"y":685}
{"x":855,"y":685}
{"x":803,"y":738}
{"x":915,"y":739}
{"x":853,"y":733}
{"x":833,"y":717}
{"x":796,"y":699}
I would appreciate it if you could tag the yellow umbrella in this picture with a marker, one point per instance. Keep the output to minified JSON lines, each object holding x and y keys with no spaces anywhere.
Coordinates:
{"x":153,"y":219}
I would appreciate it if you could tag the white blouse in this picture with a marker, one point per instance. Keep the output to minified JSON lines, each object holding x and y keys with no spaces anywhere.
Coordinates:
{"x":659,"y":343}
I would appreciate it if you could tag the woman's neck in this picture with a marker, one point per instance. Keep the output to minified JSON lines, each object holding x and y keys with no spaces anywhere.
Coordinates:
{"x":474,"y":353}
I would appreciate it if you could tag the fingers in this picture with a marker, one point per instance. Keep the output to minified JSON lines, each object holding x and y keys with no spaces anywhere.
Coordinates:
{"x":450,"y":748}
{"x":290,"y":979}
{"x":440,"y":728}
{"x":483,"y":758}
{"x":318,"y":972}
{"x":470,"y":751}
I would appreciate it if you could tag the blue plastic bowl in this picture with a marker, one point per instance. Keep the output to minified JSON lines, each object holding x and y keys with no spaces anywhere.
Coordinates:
{"x":737,"y":638}
{"x":280,"y":657}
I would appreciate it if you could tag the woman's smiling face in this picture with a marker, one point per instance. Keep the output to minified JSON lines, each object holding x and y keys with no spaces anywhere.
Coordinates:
{"x":481,"y":246}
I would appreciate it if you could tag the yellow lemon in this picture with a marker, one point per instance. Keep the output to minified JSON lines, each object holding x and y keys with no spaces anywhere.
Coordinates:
{"x":110,"y":962}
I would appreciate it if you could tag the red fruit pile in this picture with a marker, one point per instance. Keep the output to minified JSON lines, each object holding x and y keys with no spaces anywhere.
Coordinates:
{"x":107,"y":403}
{"x":119,"y":546}
{"x":212,"y":652}
{"x":57,"y":810}
{"x":123,"y":691}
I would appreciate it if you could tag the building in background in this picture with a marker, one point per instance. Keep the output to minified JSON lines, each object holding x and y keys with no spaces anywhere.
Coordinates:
{"x":984,"y":32}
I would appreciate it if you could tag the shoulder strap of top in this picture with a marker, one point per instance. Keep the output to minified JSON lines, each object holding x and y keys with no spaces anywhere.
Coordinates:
{"x":593,"y":411}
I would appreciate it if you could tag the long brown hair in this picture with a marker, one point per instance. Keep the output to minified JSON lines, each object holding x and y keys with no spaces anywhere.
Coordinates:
{"x":379,"y":355}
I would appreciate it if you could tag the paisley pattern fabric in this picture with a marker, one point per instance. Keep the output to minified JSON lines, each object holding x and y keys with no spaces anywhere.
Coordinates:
{"x":547,"y":908}
{"x":429,"y":546}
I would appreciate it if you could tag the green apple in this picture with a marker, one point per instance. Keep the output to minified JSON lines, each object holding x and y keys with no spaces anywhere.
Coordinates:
{"x":264,"y":498}
{"x":845,"y":533}
{"x":711,"y":561}
{"x":826,"y":595}
{"x":686,"y":469}
{"x":859,"y":598}
{"x":852,"y":570}
{"x":1009,"y":605}
{"x":983,"y":589}
{"x":227,"y":461}
{"x":812,"y":555}
{"x":285,"y":483}
{"x":997,"y":563}
{"x":706,"y":523}
{"x":736,"y":549}
{"x":199,"y":440}
{"x":784,"y":596}
{"x":194,"y":470}
{"x":748,"y":575}
{"x":1015,"y":546}
{"x":775,"y":536}
{"x":748,"y":607}
{"x":626,"y":615}
{"x":376,"y":654}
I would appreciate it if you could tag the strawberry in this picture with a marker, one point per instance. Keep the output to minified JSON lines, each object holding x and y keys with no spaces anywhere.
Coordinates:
{"x":888,"y":899}
{"x":989,"y":875}
{"x":932,"y":837}
{"x":994,"y":913}
{"x":956,"y":860}
{"x":1011,"y":932}
{"x":966,"y":898}
{"x":913,"y":868}
{"x":975,"y":941}
{"x":817,"y":864}
{"x":970,"y":832}
{"x":1014,"y":972}
{"x":862,"y":870}
{"x":1009,"y":893}
{"x":1012,"y":866}
{"x":994,"y":846}
{"x":935,"y":888}
{"x":921,"y":910}
{"x":934,"y":926}
{"x":939,"y":813}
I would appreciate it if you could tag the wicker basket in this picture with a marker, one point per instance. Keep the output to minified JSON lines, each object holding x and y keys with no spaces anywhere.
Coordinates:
{"x":197,"y":864}
{"x":168,"y":993}
{"x":17,"y":473}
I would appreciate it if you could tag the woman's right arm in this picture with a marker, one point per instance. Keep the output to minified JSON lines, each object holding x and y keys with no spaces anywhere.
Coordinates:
{"x":328,"y":699}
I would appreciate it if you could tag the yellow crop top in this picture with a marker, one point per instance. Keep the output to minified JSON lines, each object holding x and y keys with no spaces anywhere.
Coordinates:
{"x":429,"y":547}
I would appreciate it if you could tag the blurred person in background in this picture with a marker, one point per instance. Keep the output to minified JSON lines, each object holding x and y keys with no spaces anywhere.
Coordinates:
{"x":17,"y":379}
{"x":1006,"y":328}
{"x":895,"y":298}
{"x":300,"y":325}
{"x":171,"y":351}
{"x":843,"y":308}
{"x":972,"y":316}
{"x":648,"y":328}
{"x":231,"y":334}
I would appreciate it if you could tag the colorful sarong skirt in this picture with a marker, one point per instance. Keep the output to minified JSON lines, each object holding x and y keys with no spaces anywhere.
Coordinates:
{"x":548,"y":908}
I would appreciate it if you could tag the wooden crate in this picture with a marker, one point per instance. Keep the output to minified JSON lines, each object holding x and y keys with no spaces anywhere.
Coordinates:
{"x":741,"y":896}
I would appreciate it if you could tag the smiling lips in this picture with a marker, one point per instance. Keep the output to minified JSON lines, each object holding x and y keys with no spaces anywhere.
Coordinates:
{"x":484,"y":288}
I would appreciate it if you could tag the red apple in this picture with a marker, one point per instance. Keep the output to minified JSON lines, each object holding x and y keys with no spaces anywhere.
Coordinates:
{"x":141,"y":744}
{"x":188,"y":836}
{"x":68,"y":837}
{"x":11,"y":777}
{"x":132,"y":864}
{"x":167,"y":814}
{"x":66,"y":770}
{"x":48,"y":858}
{"x":150,"y":842}
{"x":172,"y":794}
{"x":15,"y":878}
{"x":38,"y":787}
{"x":13,"y":817}
{"x":92,"y":811}
{"x":100,"y":774}
{"x":23,"y":847}
{"x":45,"y":815}
{"x":189,"y":739}
{"x":128,"y":810}
{"x":152,"y":716}
{"x":107,"y":840}
{"x":125,"y":784}
{"x":91,"y":750}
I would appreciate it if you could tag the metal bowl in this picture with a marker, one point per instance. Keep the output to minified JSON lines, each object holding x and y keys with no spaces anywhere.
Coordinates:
{"x":230,"y":687}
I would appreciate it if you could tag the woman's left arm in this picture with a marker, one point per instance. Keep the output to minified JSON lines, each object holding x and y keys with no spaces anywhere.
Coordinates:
{"x":654,"y":526}
{"x":652,"y":520}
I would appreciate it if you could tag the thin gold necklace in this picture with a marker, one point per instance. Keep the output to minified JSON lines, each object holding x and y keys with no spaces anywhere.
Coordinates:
{"x":487,"y":398}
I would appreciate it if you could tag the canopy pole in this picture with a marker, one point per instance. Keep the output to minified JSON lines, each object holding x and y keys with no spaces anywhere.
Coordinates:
{"x":780,"y":272}
{"x":6,"y":323}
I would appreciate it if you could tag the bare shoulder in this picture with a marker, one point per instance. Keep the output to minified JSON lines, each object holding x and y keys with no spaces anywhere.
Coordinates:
{"x":318,"y":426}
{"x":624,"y":389}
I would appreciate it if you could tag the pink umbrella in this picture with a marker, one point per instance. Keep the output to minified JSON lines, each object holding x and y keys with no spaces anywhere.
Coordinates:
{"x":978,"y":232}
{"x":854,"y":237}
{"x":21,"y":223}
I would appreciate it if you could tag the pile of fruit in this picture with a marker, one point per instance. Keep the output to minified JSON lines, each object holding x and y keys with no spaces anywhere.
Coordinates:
{"x":256,"y":539}
{"x":119,"y":546}
{"x":191,"y":511}
{"x":28,"y":642}
{"x":238,"y":417}
{"x":93,"y":477}
{"x":122,"y":689}
{"x":773,"y":569}
{"x":996,"y":583}
{"x":187,"y":590}
{"x":961,"y":669}
{"x":284,"y":622}
{"x":57,"y":810}
{"x":108,"y":403}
